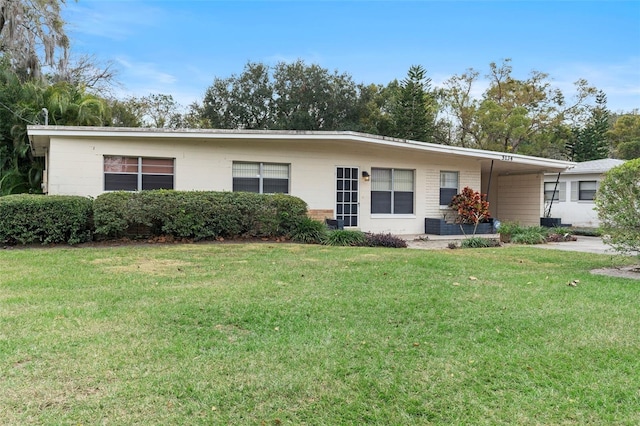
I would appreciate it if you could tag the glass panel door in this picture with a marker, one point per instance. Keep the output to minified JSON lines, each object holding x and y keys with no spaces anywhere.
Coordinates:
{"x":347,"y":198}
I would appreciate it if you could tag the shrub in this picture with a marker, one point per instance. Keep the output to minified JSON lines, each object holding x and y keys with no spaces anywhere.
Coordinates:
{"x":530,"y":235}
{"x":587,"y":232}
{"x":308,"y":231}
{"x":510,"y":228}
{"x":515,"y":233}
{"x":478,"y":242}
{"x":110,"y":214}
{"x":384,"y":240}
{"x":618,"y":204}
{"x":472,"y":207}
{"x":289,"y":211}
{"x":196,"y":215}
{"x":27,"y":219}
{"x":343,"y":237}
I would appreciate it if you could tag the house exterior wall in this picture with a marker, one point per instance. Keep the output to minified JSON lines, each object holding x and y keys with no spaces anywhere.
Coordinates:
{"x":569,"y":208}
{"x":75,"y":167}
{"x":520,"y":199}
{"x":490,"y":188}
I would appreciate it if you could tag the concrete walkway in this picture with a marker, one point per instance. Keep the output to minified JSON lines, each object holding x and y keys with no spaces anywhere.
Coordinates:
{"x":583,"y":244}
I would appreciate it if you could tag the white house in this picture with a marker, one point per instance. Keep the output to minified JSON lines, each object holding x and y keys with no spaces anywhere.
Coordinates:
{"x":575,"y":190}
{"x":372,"y":183}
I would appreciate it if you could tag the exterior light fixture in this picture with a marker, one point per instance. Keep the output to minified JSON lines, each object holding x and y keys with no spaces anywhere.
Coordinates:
{"x":365,"y":176}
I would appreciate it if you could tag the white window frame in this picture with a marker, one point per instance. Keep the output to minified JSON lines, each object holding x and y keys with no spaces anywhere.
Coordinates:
{"x":393,"y":190}
{"x":580,"y":190}
{"x":139,"y":173}
{"x":576,"y":191}
{"x":560,"y":195}
{"x":261,"y":175}
{"x":443,"y":173}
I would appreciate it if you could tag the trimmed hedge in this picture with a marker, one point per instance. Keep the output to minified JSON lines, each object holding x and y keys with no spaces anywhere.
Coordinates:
{"x":28,"y":219}
{"x":197,"y":215}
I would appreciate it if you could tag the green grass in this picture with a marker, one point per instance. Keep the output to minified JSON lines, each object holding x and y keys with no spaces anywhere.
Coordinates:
{"x":293,"y":334}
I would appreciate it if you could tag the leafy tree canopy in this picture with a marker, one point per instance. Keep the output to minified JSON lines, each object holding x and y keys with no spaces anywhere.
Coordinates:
{"x":590,"y":142}
{"x":35,"y":102}
{"x":415,"y":107}
{"x":618,"y":204}
{"x":512,"y":115}
{"x":625,"y":136}
{"x":293,"y":96}
{"x":32,"y":35}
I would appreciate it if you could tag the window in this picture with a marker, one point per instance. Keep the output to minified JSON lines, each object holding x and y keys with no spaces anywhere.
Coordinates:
{"x":263,"y":178}
{"x":559,"y":191}
{"x":137,"y":173}
{"x":448,"y":187}
{"x":392,"y":191}
{"x":587,"y":190}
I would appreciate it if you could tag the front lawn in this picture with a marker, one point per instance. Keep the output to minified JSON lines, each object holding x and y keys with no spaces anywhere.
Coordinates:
{"x":293,"y":334}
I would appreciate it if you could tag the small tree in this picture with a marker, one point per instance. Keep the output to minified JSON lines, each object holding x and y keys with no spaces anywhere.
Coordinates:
{"x":618,"y":204}
{"x":472,"y":208}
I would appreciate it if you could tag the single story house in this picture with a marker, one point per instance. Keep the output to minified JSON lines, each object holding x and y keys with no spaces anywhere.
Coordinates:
{"x":569,"y":196}
{"x":372,"y":183}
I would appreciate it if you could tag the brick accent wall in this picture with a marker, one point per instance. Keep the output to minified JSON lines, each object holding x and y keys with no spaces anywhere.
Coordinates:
{"x":320,"y":214}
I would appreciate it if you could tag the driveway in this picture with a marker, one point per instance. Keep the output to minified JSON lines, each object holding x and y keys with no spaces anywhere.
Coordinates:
{"x":583,"y":244}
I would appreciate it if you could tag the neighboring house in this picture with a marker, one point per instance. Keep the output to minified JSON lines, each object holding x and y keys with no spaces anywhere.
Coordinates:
{"x":372,"y":183}
{"x":575,"y":190}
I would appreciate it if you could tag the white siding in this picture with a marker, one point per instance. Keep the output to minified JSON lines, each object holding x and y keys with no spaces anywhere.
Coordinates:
{"x":76,"y":168}
{"x":573,"y":211}
{"x":520,"y":199}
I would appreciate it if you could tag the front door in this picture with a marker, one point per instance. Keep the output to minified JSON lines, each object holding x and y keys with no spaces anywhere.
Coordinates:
{"x":347,"y":205}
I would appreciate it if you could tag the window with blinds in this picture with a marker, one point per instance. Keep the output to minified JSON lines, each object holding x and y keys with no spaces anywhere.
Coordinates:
{"x":555,"y":192}
{"x":263,"y":178}
{"x":587,"y":190}
{"x":137,"y":173}
{"x":392,"y":191}
{"x":448,"y":187}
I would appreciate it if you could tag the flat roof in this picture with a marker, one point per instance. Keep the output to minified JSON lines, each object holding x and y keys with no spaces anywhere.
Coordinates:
{"x":500,"y":162}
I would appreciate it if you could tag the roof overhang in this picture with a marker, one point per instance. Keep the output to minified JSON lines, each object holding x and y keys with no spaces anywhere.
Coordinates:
{"x":499,"y":162}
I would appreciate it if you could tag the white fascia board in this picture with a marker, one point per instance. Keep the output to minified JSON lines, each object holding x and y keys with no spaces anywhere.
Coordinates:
{"x":347,"y":136}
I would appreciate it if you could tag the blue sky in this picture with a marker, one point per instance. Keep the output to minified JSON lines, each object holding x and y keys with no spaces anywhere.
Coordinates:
{"x":179,"y":47}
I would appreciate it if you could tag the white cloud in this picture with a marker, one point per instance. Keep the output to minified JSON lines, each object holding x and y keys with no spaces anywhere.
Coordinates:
{"x":145,"y":71}
{"x":109,"y":20}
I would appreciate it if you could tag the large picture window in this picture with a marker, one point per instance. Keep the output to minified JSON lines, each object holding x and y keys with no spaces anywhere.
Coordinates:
{"x":137,"y":173}
{"x":448,"y":187}
{"x":263,"y":178}
{"x":392,"y":191}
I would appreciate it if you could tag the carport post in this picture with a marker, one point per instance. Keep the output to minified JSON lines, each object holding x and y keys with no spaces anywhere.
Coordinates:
{"x":489,"y":184}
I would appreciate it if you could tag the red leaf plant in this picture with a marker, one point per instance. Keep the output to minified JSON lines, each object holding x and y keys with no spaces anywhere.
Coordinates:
{"x":472,"y":207}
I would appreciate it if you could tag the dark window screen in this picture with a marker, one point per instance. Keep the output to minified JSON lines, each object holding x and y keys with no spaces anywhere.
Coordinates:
{"x":275,"y":186}
{"x":246,"y":184}
{"x":402,"y":202}
{"x":380,"y":202}
{"x":120,"y":182}
{"x":446,"y":194}
{"x":157,"y":182}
